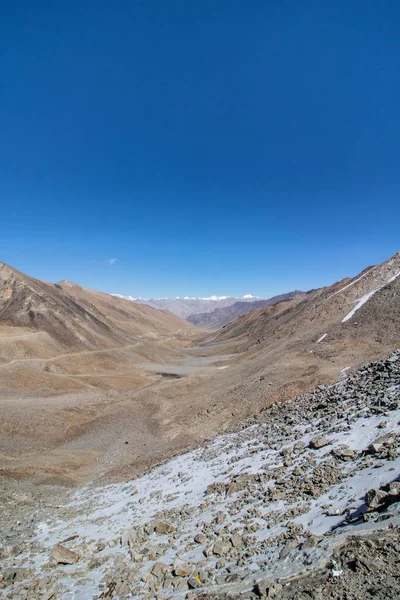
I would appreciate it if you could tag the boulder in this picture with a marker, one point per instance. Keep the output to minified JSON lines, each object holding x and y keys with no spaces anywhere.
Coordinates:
{"x":200,"y":538}
{"x":161,"y":526}
{"x":345,"y":453}
{"x":62,"y":556}
{"x":237,"y":541}
{"x":182,"y":568}
{"x":221,"y":547}
{"x":375,"y":448}
{"x":194,"y":582}
{"x":160,"y":570}
{"x":394,"y":488}
{"x":319,"y":441}
{"x":310,"y":542}
{"x":268,"y":588}
{"x":180,"y":583}
{"x":373,"y":498}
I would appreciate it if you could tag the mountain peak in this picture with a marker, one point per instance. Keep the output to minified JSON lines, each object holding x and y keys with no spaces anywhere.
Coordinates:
{"x":67,"y":283}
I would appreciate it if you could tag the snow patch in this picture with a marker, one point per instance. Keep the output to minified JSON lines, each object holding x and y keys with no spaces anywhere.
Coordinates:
{"x":349,"y":285}
{"x":364,"y":299}
{"x":130,"y":298}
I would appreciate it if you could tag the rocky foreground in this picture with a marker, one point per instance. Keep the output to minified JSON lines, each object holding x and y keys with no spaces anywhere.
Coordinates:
{"x":303,"y":488}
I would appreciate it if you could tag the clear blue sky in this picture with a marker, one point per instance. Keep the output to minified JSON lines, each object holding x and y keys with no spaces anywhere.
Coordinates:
{"x":210,"y":147}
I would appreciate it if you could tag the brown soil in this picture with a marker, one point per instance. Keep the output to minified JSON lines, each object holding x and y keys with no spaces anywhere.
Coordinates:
{"x":118,"y":386}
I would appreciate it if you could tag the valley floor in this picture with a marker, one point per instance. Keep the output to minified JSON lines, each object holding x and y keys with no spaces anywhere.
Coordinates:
{"x":72,"y":437}
{"x":244,"y":516}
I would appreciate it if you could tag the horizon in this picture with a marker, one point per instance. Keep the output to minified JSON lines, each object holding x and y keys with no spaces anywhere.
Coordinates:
{"x":164,"y":150}
{"x":212,"y":297}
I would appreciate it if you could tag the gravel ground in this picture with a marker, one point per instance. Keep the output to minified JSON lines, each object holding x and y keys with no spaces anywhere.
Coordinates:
{"x":245,"y":516}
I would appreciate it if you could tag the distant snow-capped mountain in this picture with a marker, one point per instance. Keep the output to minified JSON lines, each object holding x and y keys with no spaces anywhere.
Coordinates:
{"x":220,"y":316}
{"x":188,"y":305}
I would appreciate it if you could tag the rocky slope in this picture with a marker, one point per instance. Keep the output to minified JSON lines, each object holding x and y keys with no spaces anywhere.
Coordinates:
{"x":221,"y":316}
{"x":290,"y":347}
{"x":239,"y":517}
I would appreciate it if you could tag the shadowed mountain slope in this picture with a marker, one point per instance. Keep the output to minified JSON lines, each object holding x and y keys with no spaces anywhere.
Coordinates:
{"x":75,"y":317}
{"x":364,"y":307}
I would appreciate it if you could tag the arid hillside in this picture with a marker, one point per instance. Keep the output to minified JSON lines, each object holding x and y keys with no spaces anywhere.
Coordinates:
{"x":51,"y":333}
{"x":78,"y":318}
{"x":347,"y":308}
{"x":93,"y":385}
{"x":294,"y":346}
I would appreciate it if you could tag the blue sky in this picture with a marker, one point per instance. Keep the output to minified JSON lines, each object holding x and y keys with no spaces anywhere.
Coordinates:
{"x":209,"y":147}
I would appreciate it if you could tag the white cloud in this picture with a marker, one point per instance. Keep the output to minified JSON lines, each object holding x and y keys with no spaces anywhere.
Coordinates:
{"x":112,"y":261}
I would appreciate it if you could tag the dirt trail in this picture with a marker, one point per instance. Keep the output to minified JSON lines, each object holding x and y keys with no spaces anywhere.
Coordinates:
{"x":71,"y":354}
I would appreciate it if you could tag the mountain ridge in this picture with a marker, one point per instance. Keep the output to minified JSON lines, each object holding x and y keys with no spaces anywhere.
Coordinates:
{"x":221,"y":316}
{"x":74,"y":316}
{"x":185,"y":306}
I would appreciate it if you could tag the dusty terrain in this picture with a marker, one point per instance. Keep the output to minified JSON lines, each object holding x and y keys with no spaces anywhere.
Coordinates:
{"x":95,"y":391}
{"x":245,"y":516}
{"x":78,"y":402}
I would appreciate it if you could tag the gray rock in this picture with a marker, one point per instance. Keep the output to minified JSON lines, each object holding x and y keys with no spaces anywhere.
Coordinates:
{"x":62,"y":556}
{"x":160,"y":570}
{"x":373,"y":498}
{"x":375,"y":448}
{"x":232,"y":578}
{"x":310,"y":542}
{"x":194,"y":582}
{"x":394,"y":488}
{"x":319,"y":441}
{"x":182,"y":568}
{"x":221,"y":547}
{"x":267,"y":588}
{"x":345,"y":454}
{"x":161,"y":526}
{"x":237,"y":541}
{"x":200,"y":538}
{"x":286,"y":550}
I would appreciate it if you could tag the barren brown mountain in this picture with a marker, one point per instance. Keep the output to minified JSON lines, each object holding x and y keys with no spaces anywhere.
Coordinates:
{"x":221,"y":316}
{"x":94,"y":385}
